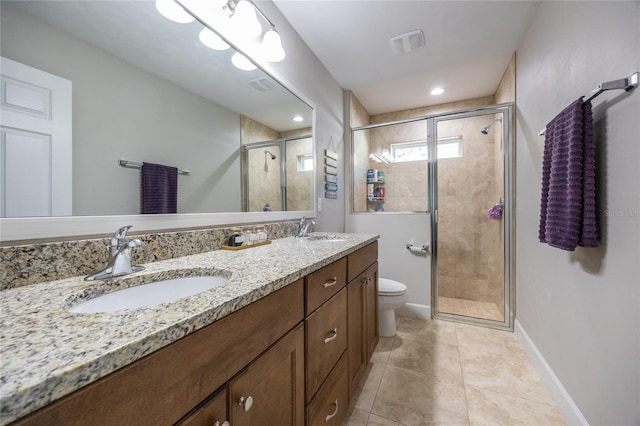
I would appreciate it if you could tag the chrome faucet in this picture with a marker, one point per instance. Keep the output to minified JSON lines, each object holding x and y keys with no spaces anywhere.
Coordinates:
{"x":305,"y":223}
{"x":119,"y":256}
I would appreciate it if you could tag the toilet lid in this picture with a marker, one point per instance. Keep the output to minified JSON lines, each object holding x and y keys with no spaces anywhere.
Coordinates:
{"x":387,"y":287}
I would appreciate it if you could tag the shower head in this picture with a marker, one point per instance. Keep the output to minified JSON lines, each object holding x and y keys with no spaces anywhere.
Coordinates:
{"x":273,"y":157}
{"x":485,"y":130}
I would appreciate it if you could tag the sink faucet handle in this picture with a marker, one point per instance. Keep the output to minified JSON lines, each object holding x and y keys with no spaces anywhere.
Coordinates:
{"x":119,"y":238}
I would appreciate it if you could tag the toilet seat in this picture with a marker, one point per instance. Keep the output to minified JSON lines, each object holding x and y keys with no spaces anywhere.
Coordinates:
{"x":387,"y":287}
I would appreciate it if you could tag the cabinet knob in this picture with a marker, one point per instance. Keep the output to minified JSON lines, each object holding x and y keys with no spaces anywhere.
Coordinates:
{"x":226,"y":423}
{"x":332,"y":335}
{"x":247,"y":403}
{"x":332,"y":415}
{"x":333,"y":281}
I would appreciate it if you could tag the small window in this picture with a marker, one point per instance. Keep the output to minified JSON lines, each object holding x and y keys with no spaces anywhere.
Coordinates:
{"x":305,"y":162}
{"x":450,"y":147}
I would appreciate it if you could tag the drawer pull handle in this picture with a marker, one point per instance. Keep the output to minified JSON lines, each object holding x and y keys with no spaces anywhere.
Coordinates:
{"x":333,"y":281}
{"x":246,"y":404}
{"x":332,"y":415}
{"x":334,"y":334}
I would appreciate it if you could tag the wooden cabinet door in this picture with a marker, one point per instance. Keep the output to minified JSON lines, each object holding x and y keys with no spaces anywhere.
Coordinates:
{"x":362,"y":315}
{"x":371,"y":329}
{"x":213,"y":412}
{"x":270,"y":391}
{"x":356,"y":316}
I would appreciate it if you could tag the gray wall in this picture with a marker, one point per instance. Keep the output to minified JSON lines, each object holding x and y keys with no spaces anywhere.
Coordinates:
{"x":302,"y":70}
{"x":581,"y":309}
{"x":121,"y":111}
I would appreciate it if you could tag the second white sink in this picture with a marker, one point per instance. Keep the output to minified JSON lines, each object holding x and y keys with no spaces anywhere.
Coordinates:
{"x":149,"y":294}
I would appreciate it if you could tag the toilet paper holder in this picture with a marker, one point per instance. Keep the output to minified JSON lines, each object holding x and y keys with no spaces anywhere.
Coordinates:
{"x":418,"y":249}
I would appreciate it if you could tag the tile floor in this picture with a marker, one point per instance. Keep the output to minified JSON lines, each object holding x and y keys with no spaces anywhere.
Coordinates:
{"x":437,"y":372}
{"x":470,"y":308}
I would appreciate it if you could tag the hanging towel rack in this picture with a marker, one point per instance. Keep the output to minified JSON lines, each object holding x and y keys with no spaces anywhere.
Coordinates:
{"x":136,"y":165}
{"x":627,"y":84}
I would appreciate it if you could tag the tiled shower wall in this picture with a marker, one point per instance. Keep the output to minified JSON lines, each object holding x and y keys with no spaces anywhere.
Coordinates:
{"x":470,"y":246}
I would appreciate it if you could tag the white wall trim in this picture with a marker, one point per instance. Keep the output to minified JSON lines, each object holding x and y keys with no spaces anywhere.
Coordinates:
{"x":567,"y":406}
{"x":415,"y":310}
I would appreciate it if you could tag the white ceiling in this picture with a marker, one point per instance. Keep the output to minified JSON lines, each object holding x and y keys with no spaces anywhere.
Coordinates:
{"x":468,"y":45}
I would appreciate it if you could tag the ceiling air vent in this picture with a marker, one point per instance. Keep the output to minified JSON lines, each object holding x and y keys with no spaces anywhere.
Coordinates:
{"x":263,"y":84}
{"x":405,"y":43}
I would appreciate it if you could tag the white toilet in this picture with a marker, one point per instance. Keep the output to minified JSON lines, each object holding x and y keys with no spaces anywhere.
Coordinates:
{"x":391,"y":295}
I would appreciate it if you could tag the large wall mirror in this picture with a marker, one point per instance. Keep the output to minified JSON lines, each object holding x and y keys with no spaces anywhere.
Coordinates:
{"x":142,"y":89}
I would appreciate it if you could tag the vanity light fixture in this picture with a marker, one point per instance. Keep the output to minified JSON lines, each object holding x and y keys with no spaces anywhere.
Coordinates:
{"x":243,"y":14}
{"x":437,"y":91}
{"x":244,"y":19}
{"x":212,"y":40}
{"x":173,"y":11}
{"x":241,"y":62}
{"x":240,"y":17}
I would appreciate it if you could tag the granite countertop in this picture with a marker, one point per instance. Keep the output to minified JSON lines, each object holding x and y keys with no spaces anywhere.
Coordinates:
{"x":47,"y":352}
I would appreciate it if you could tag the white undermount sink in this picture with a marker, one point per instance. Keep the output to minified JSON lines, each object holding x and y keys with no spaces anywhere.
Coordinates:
{"x":149,"y":294}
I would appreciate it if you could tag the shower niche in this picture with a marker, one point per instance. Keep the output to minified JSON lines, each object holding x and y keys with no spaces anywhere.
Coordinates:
{"x":277,"y":175}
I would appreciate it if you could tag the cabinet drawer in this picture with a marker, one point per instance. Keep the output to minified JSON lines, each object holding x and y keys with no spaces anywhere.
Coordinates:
{"x":331,"y":403}
{"x":326,"y":334}
{"x":324,"y":283}
{"x":361,"y":259}
{"x":211,"y":413}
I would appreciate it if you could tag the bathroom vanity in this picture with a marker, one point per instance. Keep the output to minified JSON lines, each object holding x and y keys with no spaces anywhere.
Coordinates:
{"x":282,"y":342}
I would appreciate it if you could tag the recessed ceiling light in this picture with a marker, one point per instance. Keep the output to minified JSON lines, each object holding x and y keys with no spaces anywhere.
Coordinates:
{"x":437,"y":91}
{"x":298,"y":118}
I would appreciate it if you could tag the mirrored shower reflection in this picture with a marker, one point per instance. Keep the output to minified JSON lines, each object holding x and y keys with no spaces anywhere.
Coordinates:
{"x":278,"y":175}
{"x":471,"y":190}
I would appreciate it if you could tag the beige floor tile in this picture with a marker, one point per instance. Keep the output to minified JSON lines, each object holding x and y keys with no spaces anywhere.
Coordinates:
{"x":426,"y":356}
{"x":440,"y":331}
{"x":380,"y":421}
{"x":492,"y":408}
{"x":365,"y":394}
{"x":355,"y":417}
{"x":507,"y":374}
{"x":383,"y":349}
{"x":485,"y":339}
{"x":413,"y":398}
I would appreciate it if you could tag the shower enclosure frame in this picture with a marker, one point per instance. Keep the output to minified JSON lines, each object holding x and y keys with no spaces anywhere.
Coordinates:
{"x":282,"y":163}
{"x":280,"y":143}
{"x":508,"y":159}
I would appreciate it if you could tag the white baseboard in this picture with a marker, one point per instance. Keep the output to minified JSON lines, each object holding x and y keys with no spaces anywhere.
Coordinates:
{"x":565,"y":403}
{"x":415,"y":310}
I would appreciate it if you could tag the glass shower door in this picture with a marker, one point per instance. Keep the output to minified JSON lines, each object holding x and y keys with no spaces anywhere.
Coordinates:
{"x":263,"y":186}
{"x":471,"y":260}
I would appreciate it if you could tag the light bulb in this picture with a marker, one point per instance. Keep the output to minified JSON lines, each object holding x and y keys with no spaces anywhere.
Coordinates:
{"x":173,"y":11}
{"x":245,"y":20}
{"x":241,"y":61}
{"x":272,"y":46}
{"x":212,"y":40}
{"x":437,"y":91}
{"x":298,"y":118}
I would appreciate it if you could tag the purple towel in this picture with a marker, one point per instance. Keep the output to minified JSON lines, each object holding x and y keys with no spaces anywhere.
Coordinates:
{"x":159,"y":189}
{"x":568,"y":202}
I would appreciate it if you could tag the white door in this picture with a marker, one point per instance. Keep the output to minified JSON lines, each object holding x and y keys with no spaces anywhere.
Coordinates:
{"x":35,"y":142}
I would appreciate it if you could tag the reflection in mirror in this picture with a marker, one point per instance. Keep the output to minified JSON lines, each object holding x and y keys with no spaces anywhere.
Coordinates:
{"x":141,"y":88}
{"x":278,"y":175}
